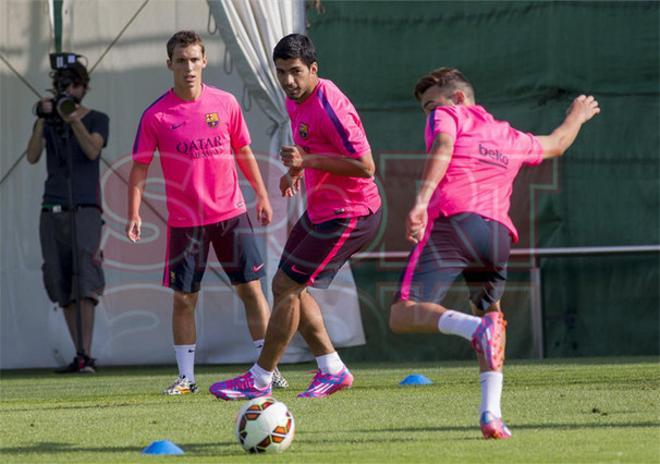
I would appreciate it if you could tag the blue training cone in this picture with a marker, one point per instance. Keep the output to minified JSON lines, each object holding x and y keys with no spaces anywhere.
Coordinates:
{"x":162,"y":447}
{"x":416,"y":379}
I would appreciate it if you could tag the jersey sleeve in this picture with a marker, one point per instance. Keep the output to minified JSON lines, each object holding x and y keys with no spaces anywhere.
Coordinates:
{"x":100,"y":124}
{"x":443,"y":119}
{"x":529,"y":147}
{"x":343,"y":127}
{"x":238,"y":129}
{"x":146,"y":139}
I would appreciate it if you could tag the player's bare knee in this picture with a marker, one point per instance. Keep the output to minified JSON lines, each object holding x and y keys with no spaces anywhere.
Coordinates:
{"x":284,"y":287}
{"x":249,"y":292}
{"x":398,"y":317}
{"x":185,"y":301}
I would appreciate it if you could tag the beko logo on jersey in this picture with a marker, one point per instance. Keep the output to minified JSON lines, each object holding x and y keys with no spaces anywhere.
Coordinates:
{"x":200,"y":148}
{"x":493,"y":156}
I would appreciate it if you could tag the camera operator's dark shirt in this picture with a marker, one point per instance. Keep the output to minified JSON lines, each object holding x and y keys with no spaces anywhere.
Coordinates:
{"x":86,"y":187}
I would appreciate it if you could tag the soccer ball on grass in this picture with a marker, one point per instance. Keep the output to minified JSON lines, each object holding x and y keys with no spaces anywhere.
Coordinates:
{"x":265,"y":425}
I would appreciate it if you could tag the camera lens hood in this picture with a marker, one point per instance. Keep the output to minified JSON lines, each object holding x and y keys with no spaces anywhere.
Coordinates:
{"x":66,"y":105}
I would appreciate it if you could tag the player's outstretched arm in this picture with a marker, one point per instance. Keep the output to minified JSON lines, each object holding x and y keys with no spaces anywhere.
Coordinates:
{"x":250,"y":169}
{"x":581,"y":110}
{"x":136,"y":183}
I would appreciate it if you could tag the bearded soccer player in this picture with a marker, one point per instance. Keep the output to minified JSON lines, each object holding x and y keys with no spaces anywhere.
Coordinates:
{"x":343,"y":215}
{"x":460,"y":222}
{"x":200,"y":134}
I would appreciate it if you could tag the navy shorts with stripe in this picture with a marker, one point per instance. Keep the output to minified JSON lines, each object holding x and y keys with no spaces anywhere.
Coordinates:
{"x":234,"y":245}
{"x":467,"y":244}
{"x":314,"y":253}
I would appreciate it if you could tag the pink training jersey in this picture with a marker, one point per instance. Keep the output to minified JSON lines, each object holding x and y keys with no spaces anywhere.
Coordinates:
{"x":487,"y":156}
{"x":195,"y":141}
{"x":327,"y":124}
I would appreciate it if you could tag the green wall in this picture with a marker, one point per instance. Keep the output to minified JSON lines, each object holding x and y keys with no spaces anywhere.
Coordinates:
{"x":527,"y":61}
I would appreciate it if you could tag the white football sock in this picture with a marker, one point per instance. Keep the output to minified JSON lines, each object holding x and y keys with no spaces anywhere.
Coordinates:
{"x":258,"y":344}
{"x":457,"y":323}
{"x":491,"y":392}
{"x":185,"y":359}
{"x":330,"y":363}
{"x":262,"y":377}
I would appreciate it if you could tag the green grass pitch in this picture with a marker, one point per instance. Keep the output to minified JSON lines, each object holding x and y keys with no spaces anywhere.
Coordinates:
{"x":574,"y":411}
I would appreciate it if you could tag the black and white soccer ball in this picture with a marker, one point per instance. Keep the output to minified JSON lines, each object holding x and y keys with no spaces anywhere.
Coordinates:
{"x":265,"y":425}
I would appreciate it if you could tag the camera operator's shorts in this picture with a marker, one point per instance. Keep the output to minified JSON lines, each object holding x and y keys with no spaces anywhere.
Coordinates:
{"x":467,"y":244}
{"x":56,"y":246}
{"x":314,"y":253}
{"x":188,"y":251}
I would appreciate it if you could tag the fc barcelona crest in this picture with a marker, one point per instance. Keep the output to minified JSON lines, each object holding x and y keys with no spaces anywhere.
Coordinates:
{"x":303,"y":130}
{"x":212,"y":119}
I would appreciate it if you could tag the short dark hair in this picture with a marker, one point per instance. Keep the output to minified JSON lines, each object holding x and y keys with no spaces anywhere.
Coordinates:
{"x":184,"y":39}
{"x":75,"y":73}
{"x":295,"y":46}
{"x":448,"y":79}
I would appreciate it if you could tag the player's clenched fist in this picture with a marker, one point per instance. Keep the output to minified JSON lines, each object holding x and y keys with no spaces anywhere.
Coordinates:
{"x":416,"y":223}
{"x":289,"y":185}
{"x":134,"y":230}
{"x":292,"y":156}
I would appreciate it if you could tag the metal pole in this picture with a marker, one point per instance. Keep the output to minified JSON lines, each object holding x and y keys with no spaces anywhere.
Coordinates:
{"x":80,"y":349}
{"x":57,"y":26}
{"x":536,"y":296}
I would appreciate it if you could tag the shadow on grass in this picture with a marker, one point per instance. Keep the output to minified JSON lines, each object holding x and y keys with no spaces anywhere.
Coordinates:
{"x":514,"y":427}
{"x":93,"y":406}
{"x":61,"y":448}
{"x":221,"y":448}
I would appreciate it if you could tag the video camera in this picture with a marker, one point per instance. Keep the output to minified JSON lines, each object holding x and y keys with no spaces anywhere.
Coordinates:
{"x":67,"y":70}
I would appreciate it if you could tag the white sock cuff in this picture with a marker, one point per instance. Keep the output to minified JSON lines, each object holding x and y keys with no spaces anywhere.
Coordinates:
{"x":330,"y":363}
{"x":185,"y":360}
{"x":262,"y":377}
{"x":457,"y":323}
{"x":256,"y":369}
{"x":185,"y":347}
{"x":491,"y":392}
{"x":483,"y":376}
{"x":258,"y":345}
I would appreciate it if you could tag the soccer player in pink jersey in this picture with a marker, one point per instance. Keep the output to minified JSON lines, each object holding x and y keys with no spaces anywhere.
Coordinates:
{"x":460,"y":222}
{"x":343,"y":215}
{"x":200,"y":135}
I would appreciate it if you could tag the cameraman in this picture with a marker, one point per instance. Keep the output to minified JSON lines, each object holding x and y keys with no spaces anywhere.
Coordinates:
{"x":69,"y":129}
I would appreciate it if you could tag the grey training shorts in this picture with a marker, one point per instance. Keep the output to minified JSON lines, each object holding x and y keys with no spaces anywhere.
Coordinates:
{"x":56,"y":245}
